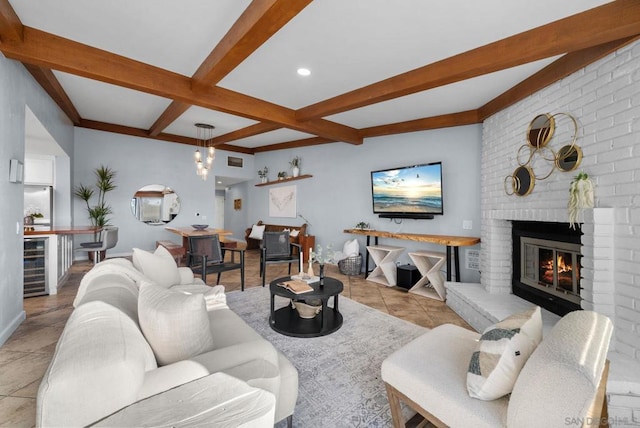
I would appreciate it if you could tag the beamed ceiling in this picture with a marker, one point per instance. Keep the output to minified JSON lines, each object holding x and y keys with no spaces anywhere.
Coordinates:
{"x":153,"y":68}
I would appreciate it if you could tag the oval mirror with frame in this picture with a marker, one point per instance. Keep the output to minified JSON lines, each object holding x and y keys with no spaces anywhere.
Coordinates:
{"x":541,"y":130}
{"x":155,"y":204}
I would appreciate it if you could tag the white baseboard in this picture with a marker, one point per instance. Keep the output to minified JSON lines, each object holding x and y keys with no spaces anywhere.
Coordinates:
{"x":13,"y":325}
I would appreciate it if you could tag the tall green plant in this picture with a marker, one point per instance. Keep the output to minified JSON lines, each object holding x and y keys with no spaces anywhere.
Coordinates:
{"x":98,"y":213}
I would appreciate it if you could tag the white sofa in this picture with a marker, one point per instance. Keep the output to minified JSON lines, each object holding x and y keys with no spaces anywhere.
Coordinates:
{"x":104,"y":366}
{"x":561,"y":384}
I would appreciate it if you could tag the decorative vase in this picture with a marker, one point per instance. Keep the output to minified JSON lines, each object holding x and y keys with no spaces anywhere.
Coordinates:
{"x":28,"y":220}
{"x":296,"y":171}
{"x":264,"y":179}
{"x":321,"y":274}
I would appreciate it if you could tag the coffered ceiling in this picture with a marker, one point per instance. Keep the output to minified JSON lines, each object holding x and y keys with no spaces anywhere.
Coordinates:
{"x":153,"y":68}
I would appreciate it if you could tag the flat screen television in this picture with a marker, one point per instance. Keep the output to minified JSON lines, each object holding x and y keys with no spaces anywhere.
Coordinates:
{"x":408,"y":192}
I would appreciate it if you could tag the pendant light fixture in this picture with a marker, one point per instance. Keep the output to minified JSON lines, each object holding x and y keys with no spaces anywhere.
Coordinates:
{"x":204,"y":159}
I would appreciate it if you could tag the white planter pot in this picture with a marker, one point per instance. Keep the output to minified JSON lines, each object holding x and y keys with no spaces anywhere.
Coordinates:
{"x":296,"y":171}
{"x":264,"y":179}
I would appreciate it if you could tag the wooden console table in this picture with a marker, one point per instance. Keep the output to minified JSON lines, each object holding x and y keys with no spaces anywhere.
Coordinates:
{"x":449,"y":241}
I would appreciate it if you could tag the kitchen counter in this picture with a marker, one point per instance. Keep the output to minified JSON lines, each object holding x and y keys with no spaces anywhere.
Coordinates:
{"x":60,"y":230}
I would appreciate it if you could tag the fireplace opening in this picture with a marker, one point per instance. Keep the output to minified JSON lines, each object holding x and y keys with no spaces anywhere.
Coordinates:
{"x":546,"y":265}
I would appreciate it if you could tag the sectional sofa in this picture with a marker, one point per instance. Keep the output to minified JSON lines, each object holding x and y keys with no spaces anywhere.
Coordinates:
{"x":146,"y":339}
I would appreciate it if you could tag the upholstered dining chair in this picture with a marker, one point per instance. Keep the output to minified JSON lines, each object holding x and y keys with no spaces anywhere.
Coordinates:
{"x":109,"y":240}
{"x":277,"y":248}
{"x":206,"y":255}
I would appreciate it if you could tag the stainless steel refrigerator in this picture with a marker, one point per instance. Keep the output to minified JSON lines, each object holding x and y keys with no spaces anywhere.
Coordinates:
{"x":39,"y":199}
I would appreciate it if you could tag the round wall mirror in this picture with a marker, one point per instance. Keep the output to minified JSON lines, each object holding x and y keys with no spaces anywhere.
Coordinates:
{"x":568,"y":158}
{"x":541,"y":130}
{"x":523,"y":181}
{"x":155,"y":204}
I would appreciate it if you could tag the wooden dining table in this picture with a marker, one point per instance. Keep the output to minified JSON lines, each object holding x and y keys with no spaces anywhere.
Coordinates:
{"x":188,"y":231}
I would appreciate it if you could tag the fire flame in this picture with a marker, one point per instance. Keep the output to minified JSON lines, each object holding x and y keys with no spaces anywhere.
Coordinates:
{"x":562,"y":266}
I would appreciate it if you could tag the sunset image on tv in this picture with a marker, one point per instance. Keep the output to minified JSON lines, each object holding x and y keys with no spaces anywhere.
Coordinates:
{"x":415,"y":189}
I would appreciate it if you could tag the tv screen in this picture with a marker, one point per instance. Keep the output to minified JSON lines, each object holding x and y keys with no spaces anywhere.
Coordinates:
{"x":408,"y":192}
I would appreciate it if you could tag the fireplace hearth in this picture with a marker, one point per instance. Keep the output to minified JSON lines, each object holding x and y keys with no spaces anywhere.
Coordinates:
{"x":546,"y":265}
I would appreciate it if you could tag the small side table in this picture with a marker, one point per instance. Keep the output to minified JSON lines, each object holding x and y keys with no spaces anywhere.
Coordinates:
{"x":432,"y":282}
{"x":286,"y":319}
{"x":384,"y":256}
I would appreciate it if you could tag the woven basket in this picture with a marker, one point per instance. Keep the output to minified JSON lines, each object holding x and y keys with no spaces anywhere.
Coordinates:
{"x":350,"y":265}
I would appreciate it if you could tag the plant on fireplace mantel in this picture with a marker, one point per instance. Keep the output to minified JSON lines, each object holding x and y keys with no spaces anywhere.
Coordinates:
{"x":580,"y":197}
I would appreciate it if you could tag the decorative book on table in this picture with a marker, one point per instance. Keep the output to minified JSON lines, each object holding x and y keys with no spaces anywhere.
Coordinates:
{"x":296,"y":286}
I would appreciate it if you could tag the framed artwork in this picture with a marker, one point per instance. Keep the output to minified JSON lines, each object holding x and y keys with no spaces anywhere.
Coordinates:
{"x":282,"y":201}
{"x":237,"y":204}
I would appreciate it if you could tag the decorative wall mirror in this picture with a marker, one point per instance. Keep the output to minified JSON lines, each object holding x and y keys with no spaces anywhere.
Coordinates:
{"x":568,"y":158}
{"x":155,"y":204}
{"x":541,"y":130}
{"x":521,"y":182}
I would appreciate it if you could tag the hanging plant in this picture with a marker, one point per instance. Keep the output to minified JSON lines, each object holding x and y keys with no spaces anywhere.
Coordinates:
{"x":580,"y":197}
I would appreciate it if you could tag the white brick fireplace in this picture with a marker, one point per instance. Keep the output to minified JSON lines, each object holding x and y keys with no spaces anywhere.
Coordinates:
{"x":605,"y":99}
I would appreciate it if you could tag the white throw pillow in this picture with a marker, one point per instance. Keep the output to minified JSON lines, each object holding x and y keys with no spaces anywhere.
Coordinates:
{"x":257,"y":232}
{"x":160,"y":266}
{"x":175,"y":324}
{"x":294,"y":233}
{"x":351,"y":248}
{"x":502,"y":351}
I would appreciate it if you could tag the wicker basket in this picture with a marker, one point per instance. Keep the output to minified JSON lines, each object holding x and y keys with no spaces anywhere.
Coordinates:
{"x":350,"y":265}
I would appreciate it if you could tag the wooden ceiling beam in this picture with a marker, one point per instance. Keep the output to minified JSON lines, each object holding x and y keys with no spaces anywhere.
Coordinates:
{"x":143,"y":133}
{"x":10,"y":25}
{"x":260,"y":20}
{"x":603,"y":24}
{"x":249,"y":131}
{"x":50,"y":51}
{"x":305,"y":142}
{"x":562,"y":67}
{"x":468,"y":117}
{"x":51,"y":85}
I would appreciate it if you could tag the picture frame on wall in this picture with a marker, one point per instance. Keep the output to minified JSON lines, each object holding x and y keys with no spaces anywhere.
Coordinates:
{"x":282,"y":202}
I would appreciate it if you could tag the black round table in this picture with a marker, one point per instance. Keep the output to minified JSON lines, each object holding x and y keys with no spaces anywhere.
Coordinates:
{"x":287,"y":321}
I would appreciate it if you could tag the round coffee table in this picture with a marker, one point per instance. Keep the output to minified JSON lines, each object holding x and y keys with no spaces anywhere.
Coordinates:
{"x":287,"y":321}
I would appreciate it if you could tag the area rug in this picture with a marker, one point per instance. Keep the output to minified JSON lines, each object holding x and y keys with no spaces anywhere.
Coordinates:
{"x":339,"y":374}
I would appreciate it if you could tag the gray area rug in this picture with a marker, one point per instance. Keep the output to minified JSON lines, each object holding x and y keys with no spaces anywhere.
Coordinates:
{"x":339,"y":384}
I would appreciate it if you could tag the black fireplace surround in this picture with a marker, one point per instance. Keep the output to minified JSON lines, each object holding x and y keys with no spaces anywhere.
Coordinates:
{"x":549,"y":231}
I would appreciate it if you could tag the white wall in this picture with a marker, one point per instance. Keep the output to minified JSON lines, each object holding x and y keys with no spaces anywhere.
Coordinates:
{"x":139,"y":162}
{"x":17,"y":91}
{"x":605,"y":99}
{"x":339,"y":194}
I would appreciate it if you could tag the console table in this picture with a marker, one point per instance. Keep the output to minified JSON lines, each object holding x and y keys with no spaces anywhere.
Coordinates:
{"x":451,"y":242}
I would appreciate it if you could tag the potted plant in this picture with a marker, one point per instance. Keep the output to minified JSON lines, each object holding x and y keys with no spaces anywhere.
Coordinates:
{"x":282,"y":175}
{"x":295,"y":165}
{"x":362,"y":226}
{"x":580,"y":197}
{"x":98,"y":213}
{"x":262,"y":173}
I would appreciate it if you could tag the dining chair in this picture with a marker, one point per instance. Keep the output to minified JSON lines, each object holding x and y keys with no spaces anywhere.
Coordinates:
{"x":109,"y":240}
{"x":206,"y":255}
{"x":276,"y":247}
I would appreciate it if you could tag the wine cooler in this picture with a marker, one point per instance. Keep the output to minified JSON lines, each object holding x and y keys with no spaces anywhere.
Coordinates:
{"x":35,"y":266}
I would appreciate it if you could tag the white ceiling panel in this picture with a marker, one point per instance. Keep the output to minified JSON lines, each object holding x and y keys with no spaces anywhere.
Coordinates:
{"x":461,"y":96}
{"x":223,"y":122}
{"x":112,"y":104}
{"x":273,"y":137}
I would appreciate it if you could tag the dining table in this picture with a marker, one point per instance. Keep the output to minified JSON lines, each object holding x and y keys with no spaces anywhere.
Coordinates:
{"x":187,"y":231}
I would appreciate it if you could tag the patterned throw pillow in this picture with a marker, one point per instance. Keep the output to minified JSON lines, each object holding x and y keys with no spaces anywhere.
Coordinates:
{"x":501,"y":353}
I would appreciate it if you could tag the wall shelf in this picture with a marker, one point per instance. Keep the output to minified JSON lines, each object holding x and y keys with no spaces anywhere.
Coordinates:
{"x":284,"y":180}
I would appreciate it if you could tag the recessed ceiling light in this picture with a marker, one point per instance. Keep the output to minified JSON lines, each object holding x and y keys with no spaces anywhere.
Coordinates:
{"x":304,"y":71}
{"x":219,"y":182}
